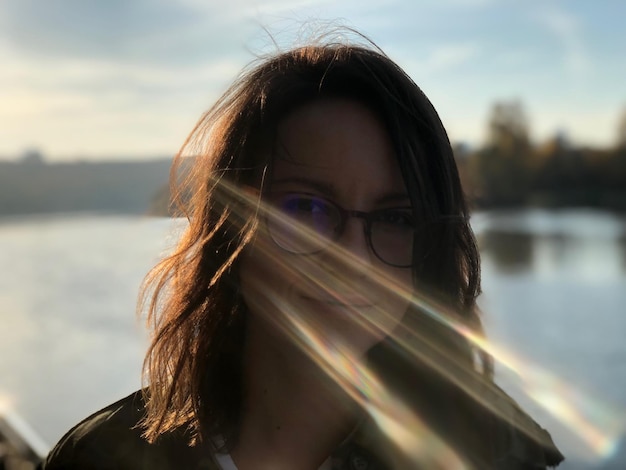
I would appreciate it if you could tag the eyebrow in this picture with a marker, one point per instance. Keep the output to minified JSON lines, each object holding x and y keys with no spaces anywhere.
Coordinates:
{"x":329,"y":190}
{"x":320,"y":186}
{"x":393,"y":198}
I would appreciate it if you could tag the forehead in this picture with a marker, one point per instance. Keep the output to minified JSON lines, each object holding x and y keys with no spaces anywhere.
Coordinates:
{"x":339,"y":143}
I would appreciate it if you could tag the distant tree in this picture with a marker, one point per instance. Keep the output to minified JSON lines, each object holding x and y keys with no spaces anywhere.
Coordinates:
{"x":32,"y":157}
{"x":510,"y":171}
{"x":549,"y":152}
{"x":558,"y":144}
{"x":621,"y":131}
{"x":616,"y":166}
{"x":463,"y":157}
{"x":501,"y":169}
{"x":508,"y":128}
{"x":561,"y":173}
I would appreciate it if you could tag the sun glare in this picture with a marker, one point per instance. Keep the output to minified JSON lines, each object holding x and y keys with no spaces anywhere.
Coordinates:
{"x":596,"y":424}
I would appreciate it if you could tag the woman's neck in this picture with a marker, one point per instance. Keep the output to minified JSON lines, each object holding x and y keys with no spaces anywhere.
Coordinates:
{"x":293,"y":416}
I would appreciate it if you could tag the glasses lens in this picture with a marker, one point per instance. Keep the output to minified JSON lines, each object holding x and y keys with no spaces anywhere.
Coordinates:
{"x":392,"y":233}
{"x":304,"y":223}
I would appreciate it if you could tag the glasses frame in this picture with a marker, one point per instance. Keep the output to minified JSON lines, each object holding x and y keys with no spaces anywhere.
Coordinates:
{"x":344,"y":214}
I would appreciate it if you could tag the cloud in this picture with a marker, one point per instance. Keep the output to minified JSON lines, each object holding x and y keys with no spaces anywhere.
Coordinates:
{"x":469,"y":3}
{"x":132,"y":30}
{"x":567,"y":28}
{"x":133,"y":73}
{"x":442,"y":58}
{"x":100,"y":78}
{"x":450,"y":56}
{"x":99,"y":106}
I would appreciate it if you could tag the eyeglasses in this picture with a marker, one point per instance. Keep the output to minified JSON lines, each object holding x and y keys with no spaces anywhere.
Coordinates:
{"x":307,"y":224}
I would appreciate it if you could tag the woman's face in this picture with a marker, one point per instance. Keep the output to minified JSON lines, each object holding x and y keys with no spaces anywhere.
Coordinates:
{"x":331,"y":153}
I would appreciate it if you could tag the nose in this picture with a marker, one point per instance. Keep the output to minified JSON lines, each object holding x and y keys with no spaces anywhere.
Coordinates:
{"x":352,"y":246}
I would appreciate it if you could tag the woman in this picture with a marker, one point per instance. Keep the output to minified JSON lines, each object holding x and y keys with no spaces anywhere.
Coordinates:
{"x":320,"y":310}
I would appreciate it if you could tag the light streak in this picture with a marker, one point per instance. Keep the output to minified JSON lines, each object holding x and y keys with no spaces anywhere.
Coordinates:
{"x":597,"y":424}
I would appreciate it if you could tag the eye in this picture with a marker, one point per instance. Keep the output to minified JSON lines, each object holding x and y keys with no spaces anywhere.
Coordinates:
{"x":395,"y":218}
{"x":302,"y":204}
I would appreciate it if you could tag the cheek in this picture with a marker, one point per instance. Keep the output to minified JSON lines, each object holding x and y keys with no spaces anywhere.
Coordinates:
{"x":264,"y":279}
{"x":272,"y":283}
{"x":398,"y":295}
{"x":256,"y":280}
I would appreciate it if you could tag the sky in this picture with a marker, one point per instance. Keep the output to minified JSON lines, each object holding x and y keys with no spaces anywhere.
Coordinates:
{"x":114,"y":79}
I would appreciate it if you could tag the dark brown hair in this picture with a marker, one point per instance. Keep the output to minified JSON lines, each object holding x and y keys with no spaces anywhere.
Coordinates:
{"x":194,"y":363}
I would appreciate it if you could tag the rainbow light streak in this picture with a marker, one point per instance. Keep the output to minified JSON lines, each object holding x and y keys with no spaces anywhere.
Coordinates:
{"x":6,"y":404}
{"x":404,"y":427}
{"x":400,"y":423}
{"x":598,"y":425}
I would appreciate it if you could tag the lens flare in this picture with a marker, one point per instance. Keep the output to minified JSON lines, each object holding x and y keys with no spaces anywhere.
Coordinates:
{"x":403,"y":427}
{"x":598,"y":425}
{"x":6,"y":404}
{"x":18,"y":430}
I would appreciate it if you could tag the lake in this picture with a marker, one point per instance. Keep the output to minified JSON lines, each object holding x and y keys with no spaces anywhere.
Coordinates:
{"x":554,"y":288}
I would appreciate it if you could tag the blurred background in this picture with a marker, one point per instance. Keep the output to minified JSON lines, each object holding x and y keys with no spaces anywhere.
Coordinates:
{"x":97,"y":96}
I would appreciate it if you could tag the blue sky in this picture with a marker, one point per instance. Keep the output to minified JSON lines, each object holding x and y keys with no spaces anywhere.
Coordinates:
{"x":95,"y":79}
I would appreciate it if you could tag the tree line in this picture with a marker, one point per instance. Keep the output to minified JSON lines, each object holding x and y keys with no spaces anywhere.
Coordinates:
{"x":511,"y":171}
{"x":507,"y":171}
{"x":32,"y":186}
